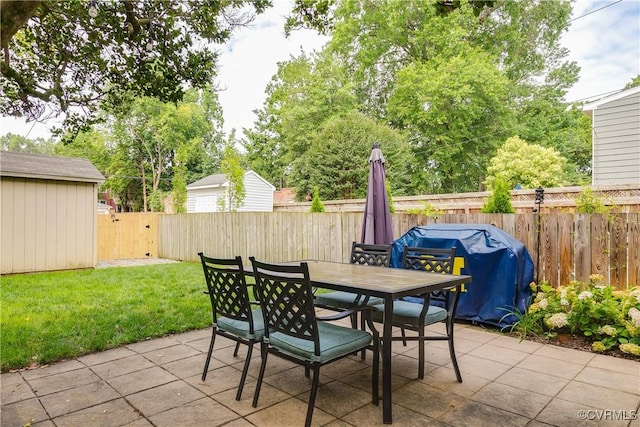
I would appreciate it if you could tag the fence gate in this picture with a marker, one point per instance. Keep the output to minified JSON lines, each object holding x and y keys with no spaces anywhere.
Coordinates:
{"x":127,"y":235}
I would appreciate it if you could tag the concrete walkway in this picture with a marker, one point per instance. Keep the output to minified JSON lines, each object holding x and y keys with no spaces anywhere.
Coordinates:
{"x":157,"y":383}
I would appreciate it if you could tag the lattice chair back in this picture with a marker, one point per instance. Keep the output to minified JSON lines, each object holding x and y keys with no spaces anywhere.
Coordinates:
{"x":377,"y":255}
{"x":227,"y":289}
{"x":286,"y":299}
{"x":432,"y":260}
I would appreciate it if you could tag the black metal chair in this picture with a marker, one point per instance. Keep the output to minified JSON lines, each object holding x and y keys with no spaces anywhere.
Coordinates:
{"x":232,"y":312}
{"x":364,"y":254}
{"x":295,"y":333}
{"x":416,"y":316}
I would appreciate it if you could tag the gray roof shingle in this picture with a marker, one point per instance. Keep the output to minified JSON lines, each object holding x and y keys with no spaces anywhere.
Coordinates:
{"x":39,"y":166}
{"x":209,"y":181}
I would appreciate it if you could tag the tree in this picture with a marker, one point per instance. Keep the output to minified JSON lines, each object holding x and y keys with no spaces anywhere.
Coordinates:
{"x":231,"y":166}
{"x":147,"y":140}
{"x":19,"y":143}
{"x":529,"y":165}
{"x":455,"y":108}
{"x":305,"y":92}
{"x":338,"y":160}
{"x":73,"y":56}
{"x":408,"y":63}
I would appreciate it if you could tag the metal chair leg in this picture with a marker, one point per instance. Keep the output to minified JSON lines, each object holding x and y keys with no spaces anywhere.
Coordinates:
{"x":312,"y":396}
{"x":206,"y":363}
{"x":245,"y":370}
{"x":264,"y":353}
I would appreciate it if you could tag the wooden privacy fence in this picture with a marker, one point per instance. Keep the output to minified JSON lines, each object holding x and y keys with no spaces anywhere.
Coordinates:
{"x":572,"y":246}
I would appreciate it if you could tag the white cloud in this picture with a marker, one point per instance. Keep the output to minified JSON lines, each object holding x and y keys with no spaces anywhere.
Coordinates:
{"x":605,"y":44}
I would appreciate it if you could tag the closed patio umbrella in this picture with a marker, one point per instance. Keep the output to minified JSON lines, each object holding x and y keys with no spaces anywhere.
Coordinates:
{"x":376,"y":227}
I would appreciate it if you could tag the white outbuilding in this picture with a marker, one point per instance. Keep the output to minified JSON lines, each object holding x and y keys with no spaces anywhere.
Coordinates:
{"x":210,"y":194}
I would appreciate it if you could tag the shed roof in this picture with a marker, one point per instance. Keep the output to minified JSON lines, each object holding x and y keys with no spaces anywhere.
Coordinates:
{"x":220,"y":179}
{"x":210,"y":181}
{"x":39,"y":166}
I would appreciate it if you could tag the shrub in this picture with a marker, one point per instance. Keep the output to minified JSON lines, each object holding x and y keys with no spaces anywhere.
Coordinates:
{"x":316,"y":204}
{"x":500,"y":200}
{"x":588,"y":202}
{"x":427,"y":210}
{"x":607,"y":317}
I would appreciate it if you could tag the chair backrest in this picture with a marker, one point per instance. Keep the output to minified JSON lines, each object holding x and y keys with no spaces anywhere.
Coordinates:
{"x":432,"y":260}
{"x":227,"y":288}
{"x":286,"y":299}
{"x":378,"y":255}
{"x":429,"y":259}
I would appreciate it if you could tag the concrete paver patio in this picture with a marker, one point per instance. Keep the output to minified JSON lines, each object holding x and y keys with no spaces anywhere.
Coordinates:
{"x":506,"y":382}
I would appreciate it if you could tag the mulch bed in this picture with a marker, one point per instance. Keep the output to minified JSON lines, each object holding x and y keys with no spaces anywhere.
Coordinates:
{"x":578,"y":343}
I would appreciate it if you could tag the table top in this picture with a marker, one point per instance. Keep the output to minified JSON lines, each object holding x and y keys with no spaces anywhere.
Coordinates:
{"x":378,"y":281}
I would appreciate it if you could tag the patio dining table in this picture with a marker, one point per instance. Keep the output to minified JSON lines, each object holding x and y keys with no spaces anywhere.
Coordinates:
{"x":386,"y":283}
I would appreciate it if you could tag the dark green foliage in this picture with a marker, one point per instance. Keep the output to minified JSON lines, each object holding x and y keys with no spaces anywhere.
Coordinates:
{"x":500,"y":200}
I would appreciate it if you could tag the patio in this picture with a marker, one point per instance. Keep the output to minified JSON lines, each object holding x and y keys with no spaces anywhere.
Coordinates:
{"x":157,"y":382}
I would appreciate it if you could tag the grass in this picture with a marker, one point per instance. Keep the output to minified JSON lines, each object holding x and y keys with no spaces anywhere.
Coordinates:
{"x":46,"y":317}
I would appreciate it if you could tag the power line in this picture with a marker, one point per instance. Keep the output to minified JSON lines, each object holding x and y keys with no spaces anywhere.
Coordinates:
{"x":594,"y":11}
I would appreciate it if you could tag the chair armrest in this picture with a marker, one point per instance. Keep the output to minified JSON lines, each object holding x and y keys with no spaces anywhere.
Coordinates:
{"x":367,"y":313}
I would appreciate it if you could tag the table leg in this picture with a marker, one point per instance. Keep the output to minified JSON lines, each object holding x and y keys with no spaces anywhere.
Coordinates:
{"x":386,"y":360}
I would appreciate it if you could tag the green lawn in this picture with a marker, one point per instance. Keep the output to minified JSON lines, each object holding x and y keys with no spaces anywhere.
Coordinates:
{"x":52,"y":316}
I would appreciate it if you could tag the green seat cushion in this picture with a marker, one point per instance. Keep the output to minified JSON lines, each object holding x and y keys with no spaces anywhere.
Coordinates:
{"x":341,"y":299}
{"x":241,"y":328}
{"x":335,"y":341}
{"x":408,"y":313}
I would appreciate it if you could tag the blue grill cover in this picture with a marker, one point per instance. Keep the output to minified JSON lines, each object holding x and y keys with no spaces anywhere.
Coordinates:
{"x":500,"y":267}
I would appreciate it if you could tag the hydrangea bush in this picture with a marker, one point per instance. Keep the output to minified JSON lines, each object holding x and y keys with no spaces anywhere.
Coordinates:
{"x":607,"y":317}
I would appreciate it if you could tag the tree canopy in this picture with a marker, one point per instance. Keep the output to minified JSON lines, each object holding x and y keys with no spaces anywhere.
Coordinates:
{"x":455,"y":79}
{"x":72,"y":56}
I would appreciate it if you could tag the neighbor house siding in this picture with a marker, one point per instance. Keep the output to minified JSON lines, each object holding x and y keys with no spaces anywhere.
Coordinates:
{"x":47,"y":225}
{"x":258,"y":194}
{"x":616,"y":141}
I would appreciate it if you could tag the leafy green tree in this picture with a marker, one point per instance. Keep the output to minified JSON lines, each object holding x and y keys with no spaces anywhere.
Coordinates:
{"x":456,"y":109}
{"x":19,"y":143}
{"x":231,"y":166}
{"x":92,"y":145}
{"x":500,"y":200}
{"x":316,"y":203}
{"x":179,"y":181}
{"x":305,"y":92}
{"x":338,"y":160}
{"x":408,"y":64}
{"x":147,"y":139}
{"x":529,"y":165}
{"x":74,"y":56}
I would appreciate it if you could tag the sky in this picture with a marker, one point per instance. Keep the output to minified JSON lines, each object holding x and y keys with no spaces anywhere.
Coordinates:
{"x":603,"y":38}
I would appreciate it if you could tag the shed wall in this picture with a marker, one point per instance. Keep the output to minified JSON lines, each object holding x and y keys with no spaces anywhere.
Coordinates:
{"x":616,"y":136}
{"x":47,"y":225}
{"x":258,"y":194}
{"x":204,"y":199}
